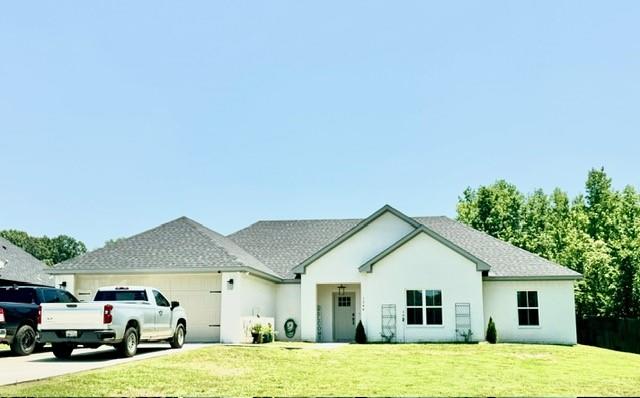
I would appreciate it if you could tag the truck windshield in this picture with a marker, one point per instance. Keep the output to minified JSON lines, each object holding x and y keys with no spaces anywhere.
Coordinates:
{"x":121,"y":295}
{"x":12,"y":295}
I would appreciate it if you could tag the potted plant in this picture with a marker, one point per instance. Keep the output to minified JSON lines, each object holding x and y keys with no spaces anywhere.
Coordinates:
{"x":267,"y":333}
{"x":256,"y":333}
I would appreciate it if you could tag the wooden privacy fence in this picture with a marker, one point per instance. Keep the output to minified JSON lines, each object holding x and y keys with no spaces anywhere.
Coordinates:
{"x":620,"y":334}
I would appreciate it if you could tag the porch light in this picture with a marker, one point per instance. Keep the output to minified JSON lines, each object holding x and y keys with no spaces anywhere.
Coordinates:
{"x":341,"y":288}
{"x":230,"y":284}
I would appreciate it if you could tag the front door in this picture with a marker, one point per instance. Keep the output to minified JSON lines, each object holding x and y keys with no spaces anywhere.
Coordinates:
{"x":344,"y":317}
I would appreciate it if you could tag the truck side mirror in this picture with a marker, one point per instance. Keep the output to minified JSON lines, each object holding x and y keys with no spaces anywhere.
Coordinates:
{"x":174,"y":304}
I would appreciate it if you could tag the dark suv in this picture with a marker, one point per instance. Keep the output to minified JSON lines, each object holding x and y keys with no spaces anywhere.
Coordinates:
{"x":19,"y":313}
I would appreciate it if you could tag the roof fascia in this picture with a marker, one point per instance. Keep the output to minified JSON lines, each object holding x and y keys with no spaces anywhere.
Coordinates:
{"x":533,"y":278}
{"x":198,"y":270}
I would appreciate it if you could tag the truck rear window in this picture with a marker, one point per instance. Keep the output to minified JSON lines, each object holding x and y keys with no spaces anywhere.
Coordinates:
{"x":11,"y":295}
{"x":121,"y":295}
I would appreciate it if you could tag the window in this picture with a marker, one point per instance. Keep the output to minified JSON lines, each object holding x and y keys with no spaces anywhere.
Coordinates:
{"x":121,"y":295}
{"x":528,"y":308}
{"x":414,"y":307}
{"x":66,"y":297}
{"x":424,"y":307}
{"x":433,"y":301}
{"x":50,"y":296}
{"x":160,"y":300}
{"x":344,"y":301}
{"x":20,"y":295}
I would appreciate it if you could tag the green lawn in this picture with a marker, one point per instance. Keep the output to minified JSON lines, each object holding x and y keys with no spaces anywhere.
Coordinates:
{"x":378,"y":370}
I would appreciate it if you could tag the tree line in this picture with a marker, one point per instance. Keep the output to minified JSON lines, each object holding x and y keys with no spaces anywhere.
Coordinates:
{"x":596,"y":233}
{"x":48,"y":250}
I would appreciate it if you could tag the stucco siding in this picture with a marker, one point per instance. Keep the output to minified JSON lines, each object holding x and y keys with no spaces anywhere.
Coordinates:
{"x":250,"y":297}
{"x":420,"y":264}
{"x":556,"y":311}
{"x":287,"y":306}
{"x":340,"y":265}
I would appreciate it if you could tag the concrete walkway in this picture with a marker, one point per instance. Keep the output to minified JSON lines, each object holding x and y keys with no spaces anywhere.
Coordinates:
{"x":43,"y":365}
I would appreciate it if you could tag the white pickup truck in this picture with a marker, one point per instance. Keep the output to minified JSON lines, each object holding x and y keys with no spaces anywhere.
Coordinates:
{"x":118,"y":316}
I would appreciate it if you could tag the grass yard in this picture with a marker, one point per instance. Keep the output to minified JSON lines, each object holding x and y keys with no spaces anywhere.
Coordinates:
{"x":363,"y":370}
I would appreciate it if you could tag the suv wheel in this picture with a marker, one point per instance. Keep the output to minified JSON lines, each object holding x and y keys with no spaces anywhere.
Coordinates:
{"x":129,"y":345}
{"x":24,"y":342}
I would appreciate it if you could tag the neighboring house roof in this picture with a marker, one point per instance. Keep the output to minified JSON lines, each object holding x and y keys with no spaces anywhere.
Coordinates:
{"x":285,"y":245}
{"x":180,"y":245}
{"x":19,"y":266}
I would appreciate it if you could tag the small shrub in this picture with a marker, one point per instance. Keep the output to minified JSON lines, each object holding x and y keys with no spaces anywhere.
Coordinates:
{"x":361,"y":336}
{"x":466,"y":335}
{"x":256,"y":333}
{"x":492,"y":334}
{"x":267,"y":333}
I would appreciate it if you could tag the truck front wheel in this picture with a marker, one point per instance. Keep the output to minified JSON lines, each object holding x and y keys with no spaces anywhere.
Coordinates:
{"x":129,"y":345}
{"x":62,"y":350}
{"x":178,"y":337}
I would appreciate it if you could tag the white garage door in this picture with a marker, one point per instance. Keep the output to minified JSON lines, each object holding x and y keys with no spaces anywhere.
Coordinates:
{"x":198,"y":294}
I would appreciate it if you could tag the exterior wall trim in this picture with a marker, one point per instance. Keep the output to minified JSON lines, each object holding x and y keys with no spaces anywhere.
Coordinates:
{"x":166,"y":271}
{"x":532,"y":278}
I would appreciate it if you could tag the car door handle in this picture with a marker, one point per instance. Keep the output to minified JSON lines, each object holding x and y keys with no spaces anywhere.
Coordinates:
{"x":160,"y":312}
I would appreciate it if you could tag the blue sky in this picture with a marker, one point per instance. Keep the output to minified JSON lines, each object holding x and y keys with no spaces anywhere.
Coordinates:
{"x":117,"y":116}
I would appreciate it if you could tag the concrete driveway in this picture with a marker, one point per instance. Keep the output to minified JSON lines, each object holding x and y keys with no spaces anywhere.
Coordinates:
{"x":44,"y":365}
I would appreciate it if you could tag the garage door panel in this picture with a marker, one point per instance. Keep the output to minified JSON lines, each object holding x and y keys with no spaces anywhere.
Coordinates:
{"x":185,"y":282}
{"x":198,"y":294}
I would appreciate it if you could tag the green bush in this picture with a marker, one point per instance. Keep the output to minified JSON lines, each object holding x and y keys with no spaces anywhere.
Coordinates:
{"x":361,"y":336}
{"x":492,"y":334}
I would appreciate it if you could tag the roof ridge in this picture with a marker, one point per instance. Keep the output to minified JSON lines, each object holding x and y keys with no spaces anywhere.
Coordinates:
{"x":120,"y":241}
{"x":205,"y":232}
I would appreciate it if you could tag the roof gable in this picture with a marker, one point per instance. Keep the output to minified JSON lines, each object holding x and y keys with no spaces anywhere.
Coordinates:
{"x":300,"y":268}
{"x":368,"y":266}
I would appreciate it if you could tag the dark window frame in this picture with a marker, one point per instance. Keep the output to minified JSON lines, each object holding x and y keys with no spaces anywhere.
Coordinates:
{"x":528,"y":307}
{"x":424,"y":309}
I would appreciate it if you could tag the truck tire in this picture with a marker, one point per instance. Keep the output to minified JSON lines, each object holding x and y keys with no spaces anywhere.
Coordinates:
{"x":62,"y":350}
{"x":24,"y":342}
{"x":177,"y":341}
{"x":129,"y":345}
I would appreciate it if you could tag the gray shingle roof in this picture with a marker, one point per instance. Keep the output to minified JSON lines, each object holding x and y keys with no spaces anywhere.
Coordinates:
{"x":21,"y":266}
{"x":178,"y":244}
{"x":282,"y":245}
{"x":505,"y":259}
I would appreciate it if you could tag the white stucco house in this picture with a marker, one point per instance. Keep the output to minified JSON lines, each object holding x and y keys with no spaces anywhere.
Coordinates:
{"x":408,"y":279}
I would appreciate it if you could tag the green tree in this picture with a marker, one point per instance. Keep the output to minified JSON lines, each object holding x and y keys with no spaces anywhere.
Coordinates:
{"x":596,"y":234}
{"x":495,"y":209}
{"x":49,"y":250}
